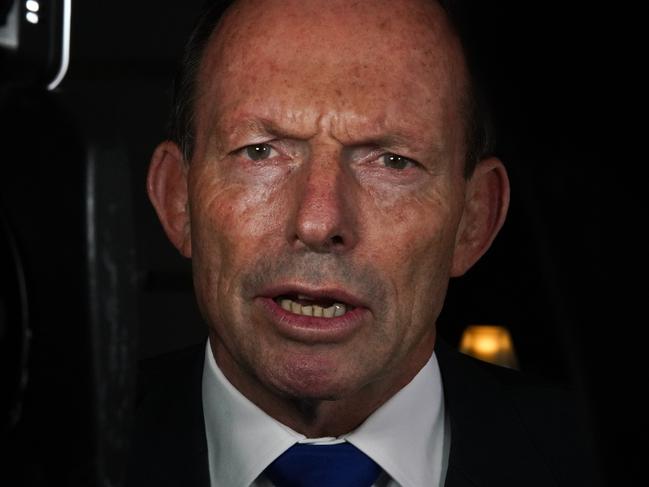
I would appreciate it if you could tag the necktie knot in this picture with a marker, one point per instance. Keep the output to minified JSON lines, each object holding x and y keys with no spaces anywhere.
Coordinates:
{"x":307,"y":465}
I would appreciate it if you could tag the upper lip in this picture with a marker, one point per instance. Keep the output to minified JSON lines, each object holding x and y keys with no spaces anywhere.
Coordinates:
{"x":324,"y":293}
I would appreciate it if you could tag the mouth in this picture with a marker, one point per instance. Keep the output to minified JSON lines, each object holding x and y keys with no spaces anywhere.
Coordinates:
{"x":317,"y":307}
{"x":310,"y":315}
{"x":322,"y":303}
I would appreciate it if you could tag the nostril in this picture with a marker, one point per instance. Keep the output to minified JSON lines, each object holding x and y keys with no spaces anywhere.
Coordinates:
{"x":336,"y":240}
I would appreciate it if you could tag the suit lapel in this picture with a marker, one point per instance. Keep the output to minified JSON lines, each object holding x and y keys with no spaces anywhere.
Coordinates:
{"x":489,"y":445}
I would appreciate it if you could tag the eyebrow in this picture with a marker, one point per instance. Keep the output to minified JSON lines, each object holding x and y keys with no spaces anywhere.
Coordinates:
{"x":397,"y":141}
{"x":389,"y":139}
{"x":262,"y":126}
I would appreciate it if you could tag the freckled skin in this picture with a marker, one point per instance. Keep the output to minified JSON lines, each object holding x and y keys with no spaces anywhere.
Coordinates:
{"x":324,"y":210}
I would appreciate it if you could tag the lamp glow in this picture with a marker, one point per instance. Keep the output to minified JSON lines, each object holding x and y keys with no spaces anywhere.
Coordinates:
{"x":489,"y":343}
{"x":31,"y":17}
{"x":32,"y":5}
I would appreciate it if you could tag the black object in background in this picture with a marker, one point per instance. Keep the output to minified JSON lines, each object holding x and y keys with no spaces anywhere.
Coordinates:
{"x":67,"y":301}
{"x":15,"y":331}
{"x":35,"y":41}
{"x":71,"y":323}
{"x":66,"y":196}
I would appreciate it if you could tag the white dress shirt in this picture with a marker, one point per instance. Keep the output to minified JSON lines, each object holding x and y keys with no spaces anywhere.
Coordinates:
{"x":407,"y":436}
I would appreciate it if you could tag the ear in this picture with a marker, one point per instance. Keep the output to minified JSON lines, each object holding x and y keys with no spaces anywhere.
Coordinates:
{"x":167,"y":188}
{"x":485,"y":209}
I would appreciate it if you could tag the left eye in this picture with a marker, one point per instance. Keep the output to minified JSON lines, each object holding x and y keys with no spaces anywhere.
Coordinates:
{"x":395,"y":161}
{"x":258,"y":152}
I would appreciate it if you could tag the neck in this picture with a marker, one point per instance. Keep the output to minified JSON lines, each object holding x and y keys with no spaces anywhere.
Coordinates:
{"x":316,"y":418}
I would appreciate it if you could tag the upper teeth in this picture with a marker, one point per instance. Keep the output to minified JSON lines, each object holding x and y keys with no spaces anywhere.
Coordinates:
{"x":337,"y":309}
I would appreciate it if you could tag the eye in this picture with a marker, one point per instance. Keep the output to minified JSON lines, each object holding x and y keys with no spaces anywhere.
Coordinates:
{"x":395,"y":161}
{"x":258,"y":152}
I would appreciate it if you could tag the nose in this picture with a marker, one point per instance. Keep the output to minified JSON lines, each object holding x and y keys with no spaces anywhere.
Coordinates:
{"x":326,"y":213}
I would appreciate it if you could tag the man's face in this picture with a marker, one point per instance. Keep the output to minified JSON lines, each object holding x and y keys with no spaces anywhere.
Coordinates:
{"x":327,"y":179}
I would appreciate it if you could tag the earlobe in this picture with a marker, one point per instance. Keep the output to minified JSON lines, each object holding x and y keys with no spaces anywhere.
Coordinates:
{"x":486,"y":204}
{"x":167,"y":189}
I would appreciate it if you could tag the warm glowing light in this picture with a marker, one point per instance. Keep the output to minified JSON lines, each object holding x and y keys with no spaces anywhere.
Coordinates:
{"x":489,"y":343}
{"x":32,"y":17}
{"x":32,"y":5}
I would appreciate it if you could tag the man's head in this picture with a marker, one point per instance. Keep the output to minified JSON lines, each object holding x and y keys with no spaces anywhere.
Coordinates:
{"x":327,"y":175}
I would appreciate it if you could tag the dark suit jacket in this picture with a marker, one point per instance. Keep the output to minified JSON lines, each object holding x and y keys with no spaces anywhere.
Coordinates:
{"x":505,"y":431}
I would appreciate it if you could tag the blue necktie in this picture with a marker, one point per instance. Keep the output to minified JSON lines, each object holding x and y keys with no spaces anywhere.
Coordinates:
{"x":339,"y":465}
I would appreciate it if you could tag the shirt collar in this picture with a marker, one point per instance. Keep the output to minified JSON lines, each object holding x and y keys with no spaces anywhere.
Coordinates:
{"x":405,"y":436}
{"x":242,"y":440}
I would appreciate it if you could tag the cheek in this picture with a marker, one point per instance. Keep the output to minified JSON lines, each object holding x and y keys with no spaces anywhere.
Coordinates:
{"x":415,"y":225}
{"x":235,"y":213}
{"x":231,"y":224}
{"x":413,"y":238}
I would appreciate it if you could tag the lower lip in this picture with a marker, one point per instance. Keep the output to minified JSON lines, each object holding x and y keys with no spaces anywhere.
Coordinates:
{"x":311,"y":328}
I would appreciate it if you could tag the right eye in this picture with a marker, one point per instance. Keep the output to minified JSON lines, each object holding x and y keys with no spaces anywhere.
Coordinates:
{"x":258,"y":152}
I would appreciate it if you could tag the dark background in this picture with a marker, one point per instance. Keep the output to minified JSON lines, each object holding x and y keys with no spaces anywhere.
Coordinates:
{"x":559,"y":276}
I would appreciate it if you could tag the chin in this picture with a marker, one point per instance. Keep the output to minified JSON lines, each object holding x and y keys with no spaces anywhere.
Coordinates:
{"x":312,"y":378}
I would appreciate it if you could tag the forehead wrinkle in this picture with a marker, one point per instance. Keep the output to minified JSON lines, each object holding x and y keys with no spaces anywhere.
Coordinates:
{"x":383,"y":131}
{"x":250,"y":124}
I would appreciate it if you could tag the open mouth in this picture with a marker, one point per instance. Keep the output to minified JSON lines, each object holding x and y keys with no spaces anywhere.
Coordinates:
{"x":304,"y":305}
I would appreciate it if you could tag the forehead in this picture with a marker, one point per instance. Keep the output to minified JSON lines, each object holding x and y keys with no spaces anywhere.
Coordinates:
{"x":371,"y":61}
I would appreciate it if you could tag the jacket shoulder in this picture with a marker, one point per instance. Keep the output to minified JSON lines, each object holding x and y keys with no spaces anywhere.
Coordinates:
{"x":525,"y":417}
{"x":157,"y":373}
{"x":168,"y":445}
